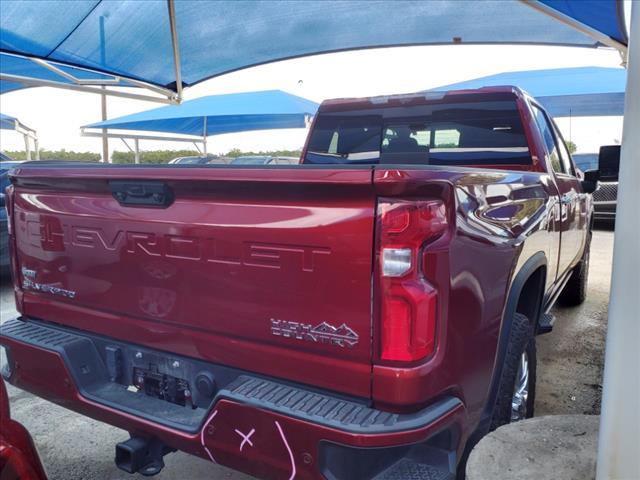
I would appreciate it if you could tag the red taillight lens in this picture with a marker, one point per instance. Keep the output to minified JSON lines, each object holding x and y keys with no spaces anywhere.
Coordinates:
{"x":408,"y":301}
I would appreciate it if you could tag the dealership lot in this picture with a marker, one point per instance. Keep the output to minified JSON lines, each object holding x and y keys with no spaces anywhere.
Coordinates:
{"x":570,"y":361}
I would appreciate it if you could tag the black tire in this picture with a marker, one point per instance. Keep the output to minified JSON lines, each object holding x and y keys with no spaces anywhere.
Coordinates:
{"x":575,"y":291}
{"x":521,"y":340}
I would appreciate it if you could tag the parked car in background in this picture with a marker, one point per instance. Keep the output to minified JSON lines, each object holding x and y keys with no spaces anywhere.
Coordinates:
{"x":605,"y":198}
{"x":203,"y":160}
{"x":264,"y":160}
{"x":6,"y":164}
{"x":368,"y":314}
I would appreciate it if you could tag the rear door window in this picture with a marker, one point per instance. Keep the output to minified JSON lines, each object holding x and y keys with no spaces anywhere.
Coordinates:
{"x":345,"y":139}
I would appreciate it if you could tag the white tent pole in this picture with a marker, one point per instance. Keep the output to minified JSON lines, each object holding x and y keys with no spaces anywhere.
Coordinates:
{"x":176,"y":48}
{"x":618,"y":454}
{"x":36,"y":145}
{"x":27,"y":145}
{"x":136,"y":143}
{"x":204,"y":136}
{"x":103,"y":97}
{"x":105,"y":138}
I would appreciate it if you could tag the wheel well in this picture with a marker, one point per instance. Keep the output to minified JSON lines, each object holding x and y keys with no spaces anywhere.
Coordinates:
{"x":530,"y":300}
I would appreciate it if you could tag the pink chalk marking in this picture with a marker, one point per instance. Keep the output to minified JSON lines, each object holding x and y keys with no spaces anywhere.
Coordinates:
{"x":215,"y":412}
{"x":286,"y":444}
{"x":245,"y":438}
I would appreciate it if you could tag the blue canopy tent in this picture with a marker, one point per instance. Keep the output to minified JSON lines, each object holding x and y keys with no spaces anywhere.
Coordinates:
{"x":159,"y":43}
{"x":8,"y":122}
{"x":165,"y":46}
{"x":564,"y":92}
{"x":216,"y":114}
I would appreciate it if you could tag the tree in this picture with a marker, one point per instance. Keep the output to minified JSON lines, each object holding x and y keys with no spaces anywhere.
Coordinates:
{"x":572,"y":147}
{"x":57,"y":155}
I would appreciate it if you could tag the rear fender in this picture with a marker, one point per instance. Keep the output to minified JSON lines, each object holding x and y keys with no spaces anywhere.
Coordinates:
{"x":515,"y":291}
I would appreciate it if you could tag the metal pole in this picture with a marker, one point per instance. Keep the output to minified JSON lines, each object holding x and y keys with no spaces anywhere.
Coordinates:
{"x":36,"y":145}
{"x":37,"y":82}
{"x":176,"y":48}
{"x":27,"y":145}
{"x":103,"y":96}
{"x":136,"y":151}
{"x":618,"y":453}
{"x":105,"y":138}
{"x":204,"y":136}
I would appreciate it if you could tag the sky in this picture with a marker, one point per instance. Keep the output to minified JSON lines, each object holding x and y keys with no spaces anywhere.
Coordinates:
{"x":58,"y":114}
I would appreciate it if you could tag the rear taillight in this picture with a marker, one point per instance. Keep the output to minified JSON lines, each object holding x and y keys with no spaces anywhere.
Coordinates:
{"x":408,"y":307}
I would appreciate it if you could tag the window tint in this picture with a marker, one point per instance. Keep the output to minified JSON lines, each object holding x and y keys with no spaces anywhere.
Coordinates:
{"x":547,"y":135}
{"x":405,"y":138}
{"x":455,"y":133}
{"x":342,"y":138}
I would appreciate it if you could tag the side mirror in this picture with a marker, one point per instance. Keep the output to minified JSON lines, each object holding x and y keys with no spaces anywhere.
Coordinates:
{"x":590,"y":182}
{"x":609,"y":163}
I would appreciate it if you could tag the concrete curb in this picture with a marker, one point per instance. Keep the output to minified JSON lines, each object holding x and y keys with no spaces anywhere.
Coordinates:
{"x":558,"y":447}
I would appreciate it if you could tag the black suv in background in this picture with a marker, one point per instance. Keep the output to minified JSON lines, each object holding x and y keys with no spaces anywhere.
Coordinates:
{"x":606,"y":196}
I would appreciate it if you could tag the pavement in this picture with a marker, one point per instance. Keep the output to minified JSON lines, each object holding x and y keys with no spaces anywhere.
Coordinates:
{"x":570,"y":364}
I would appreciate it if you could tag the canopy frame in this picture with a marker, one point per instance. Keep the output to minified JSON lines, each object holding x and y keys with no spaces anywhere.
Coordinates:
{"x":175,"y":48}
{"x":92,"y":85}
{"x":29,"y":134}
{"x":195,"y":140}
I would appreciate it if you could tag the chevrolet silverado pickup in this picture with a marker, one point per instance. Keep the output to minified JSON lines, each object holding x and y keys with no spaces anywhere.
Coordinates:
{"x":369,"y":313}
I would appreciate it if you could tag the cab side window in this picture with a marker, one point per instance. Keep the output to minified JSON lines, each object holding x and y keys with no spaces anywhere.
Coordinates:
{"x":549,"y":139}
{"x":565,"y":156}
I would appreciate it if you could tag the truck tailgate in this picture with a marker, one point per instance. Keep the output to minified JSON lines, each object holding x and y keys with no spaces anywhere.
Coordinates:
{"x":267,"y":270}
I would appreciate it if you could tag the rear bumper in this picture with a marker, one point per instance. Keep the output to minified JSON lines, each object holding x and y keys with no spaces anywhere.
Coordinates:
{"x":260,"y":426}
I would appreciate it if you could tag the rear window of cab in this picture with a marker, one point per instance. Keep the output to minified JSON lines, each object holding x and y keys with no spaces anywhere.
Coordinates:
{"x":488,"y":132}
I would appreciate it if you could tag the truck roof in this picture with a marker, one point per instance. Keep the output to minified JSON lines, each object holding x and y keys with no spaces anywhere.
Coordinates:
{"x":416,"y":98}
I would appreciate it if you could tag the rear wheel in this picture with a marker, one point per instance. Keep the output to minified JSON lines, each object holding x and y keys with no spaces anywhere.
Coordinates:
{"x":516,"y":391}
{"x":575,"y":291}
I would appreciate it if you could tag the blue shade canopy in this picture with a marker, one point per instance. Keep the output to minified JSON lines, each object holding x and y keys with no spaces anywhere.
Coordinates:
{"x":602,"y":15}
{"x":7,"y":122}
{"x":133,"y":38}
{"x":215,"y":114}
{"x":583,"y":91}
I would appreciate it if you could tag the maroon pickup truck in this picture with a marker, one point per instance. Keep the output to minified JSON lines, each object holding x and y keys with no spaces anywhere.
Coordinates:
{"x":370,"y":313}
